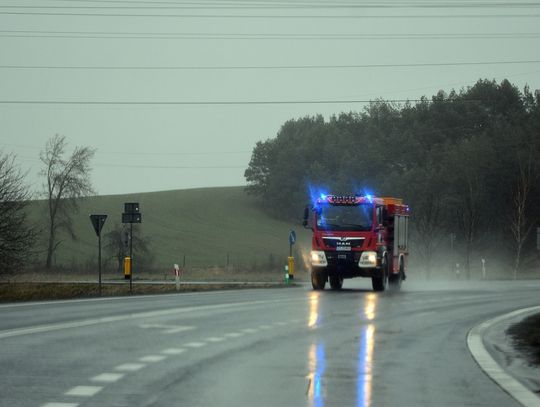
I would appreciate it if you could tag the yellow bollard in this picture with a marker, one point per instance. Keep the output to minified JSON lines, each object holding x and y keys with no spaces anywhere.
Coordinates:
{"x":127,"y":267}
{"x":291,"y":267}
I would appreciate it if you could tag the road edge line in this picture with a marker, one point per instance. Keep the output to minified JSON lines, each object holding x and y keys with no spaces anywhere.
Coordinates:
{"x":491,"y":368}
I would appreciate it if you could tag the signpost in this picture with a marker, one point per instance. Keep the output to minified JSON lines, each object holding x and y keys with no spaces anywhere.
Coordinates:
{"x":98,"y":221}
{"x":131,"y":215}
{"x":177,"y":276}
{"x":292,"y":240}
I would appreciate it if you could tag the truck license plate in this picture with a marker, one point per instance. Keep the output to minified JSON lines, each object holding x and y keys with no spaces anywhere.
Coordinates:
{"x":343,"y":248}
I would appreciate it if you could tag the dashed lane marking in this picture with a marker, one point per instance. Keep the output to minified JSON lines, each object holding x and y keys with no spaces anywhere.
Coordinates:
{"x":249,"y":330}
{"x":130,"y":367}
{"x":215,"y":339}
{"x":173,"y":351}
{"x":280,"y":323}
{"x":167,"y":329}
{"x":107,"y":377}
{"x":83,"y":391}
{"x":195,"y":344}
{"x":265,"y":326}
{"x":60,"y":405}
{"x":152,"y":358}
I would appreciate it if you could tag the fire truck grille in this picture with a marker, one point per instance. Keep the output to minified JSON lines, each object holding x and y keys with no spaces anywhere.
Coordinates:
{"x":338,"y":259}
{"x":350,"y":241}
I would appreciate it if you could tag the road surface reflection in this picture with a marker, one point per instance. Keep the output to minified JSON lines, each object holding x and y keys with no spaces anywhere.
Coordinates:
{"x":365,"y":355}
{"x":319,"y":367}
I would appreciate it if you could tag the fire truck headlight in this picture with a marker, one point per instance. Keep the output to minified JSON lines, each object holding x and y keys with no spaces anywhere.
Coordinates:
{"x":318,"y":258}
{"x":368,"y":259}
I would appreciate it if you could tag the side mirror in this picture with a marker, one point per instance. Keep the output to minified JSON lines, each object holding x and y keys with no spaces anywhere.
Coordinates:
{"x":306,"y":217}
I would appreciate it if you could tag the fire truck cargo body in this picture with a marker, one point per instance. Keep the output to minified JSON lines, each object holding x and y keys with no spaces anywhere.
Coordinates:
{"x":358,"y":236}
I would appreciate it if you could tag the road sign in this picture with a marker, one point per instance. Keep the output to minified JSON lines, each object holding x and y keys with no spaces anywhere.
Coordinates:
{"x":131,"y":207}
{"x":292,"y":237}
{"x":98,"y":221}
{"x":131,"y":217}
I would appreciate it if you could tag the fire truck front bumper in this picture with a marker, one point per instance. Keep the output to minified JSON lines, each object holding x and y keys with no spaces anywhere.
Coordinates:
{"x":347,"y":265}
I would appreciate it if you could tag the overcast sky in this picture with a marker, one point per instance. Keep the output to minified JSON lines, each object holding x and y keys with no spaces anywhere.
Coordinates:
{"x":231,"y":51}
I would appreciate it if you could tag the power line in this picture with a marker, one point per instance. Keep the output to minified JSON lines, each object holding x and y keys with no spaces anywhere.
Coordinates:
{"x":210,"y":103}
{"x":275,"y":16}
{"x":267,"y":67}
{"x":146,"y":153}
{"x":182,"y":167}
{"x":260,"y":36}
{"x":291,"y":5}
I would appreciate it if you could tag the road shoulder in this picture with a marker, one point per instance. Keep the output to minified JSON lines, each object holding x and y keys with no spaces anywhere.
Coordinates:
{"x":494,"y":353}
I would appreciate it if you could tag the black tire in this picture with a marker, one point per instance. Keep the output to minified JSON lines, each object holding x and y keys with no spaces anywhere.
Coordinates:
{"x":394,"y":281}
{"x":318,"y":279}
{"x":336,"y":282}
{"x":380,"y":283}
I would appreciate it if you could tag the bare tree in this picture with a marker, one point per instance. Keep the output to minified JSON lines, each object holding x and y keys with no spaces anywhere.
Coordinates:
{"x":66,"y":180}
{"x":16,"y":236}
{"x":519,"y":227}
{"x":117,"y":245}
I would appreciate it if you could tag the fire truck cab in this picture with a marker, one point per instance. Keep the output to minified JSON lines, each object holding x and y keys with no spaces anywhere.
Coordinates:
{"x":358,"y":236}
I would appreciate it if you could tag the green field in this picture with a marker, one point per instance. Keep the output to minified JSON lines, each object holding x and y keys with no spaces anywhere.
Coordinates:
{"x":204,"y":225}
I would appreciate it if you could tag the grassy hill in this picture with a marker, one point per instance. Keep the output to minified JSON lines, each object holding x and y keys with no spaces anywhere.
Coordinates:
{"x":205,"y":225}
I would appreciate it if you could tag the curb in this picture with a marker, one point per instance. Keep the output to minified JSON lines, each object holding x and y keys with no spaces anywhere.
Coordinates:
{"x":490,"y":367}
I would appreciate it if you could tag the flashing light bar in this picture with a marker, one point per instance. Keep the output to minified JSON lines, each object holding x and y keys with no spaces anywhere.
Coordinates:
{"x":341,"y":199}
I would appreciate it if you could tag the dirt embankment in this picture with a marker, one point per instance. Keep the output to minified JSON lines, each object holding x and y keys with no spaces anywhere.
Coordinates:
{"x":526,"y":336}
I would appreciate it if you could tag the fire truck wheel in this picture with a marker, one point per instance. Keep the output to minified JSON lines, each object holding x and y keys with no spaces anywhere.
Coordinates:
{"x":380,"y":283}
{"x":395,"y":281}
{"x":318,"y":279}
{"x":336,"y":282}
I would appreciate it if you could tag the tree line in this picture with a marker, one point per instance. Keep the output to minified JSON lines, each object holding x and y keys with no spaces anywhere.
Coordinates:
{"x":467,"y":162}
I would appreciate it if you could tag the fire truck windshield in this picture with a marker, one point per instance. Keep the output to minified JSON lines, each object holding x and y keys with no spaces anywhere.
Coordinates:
{"x":345,"y":217}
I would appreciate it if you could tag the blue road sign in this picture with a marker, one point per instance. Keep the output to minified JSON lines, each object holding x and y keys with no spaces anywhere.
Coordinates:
{"x":292,"y":237}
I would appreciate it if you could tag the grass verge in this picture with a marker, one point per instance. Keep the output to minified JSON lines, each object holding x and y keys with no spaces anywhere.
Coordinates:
{"x":526,"y":337}
{"x":11,"y":292}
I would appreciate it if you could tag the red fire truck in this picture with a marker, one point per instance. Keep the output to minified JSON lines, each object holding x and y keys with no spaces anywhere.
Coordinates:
{"x":358,"y":236}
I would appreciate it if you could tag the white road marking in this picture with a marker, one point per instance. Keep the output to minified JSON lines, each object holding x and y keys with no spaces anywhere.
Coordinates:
{"x":265,"y":326}
{"x":126,"y":317}
{"x":215,"y":339}
{"x":130,"y":367}
{"x":476,"y":346}
{"x":152,"y":358}
{"x":173,"y":351}
{"x":234,"y":335}
{"x":60,"y":405}
{"x":167,"y":329}
{"x":84,"y":391}
{"x":249,"y":330}
{"x":195,"y":344}
{"x":107,"y":377}
{"x":280,"y":323}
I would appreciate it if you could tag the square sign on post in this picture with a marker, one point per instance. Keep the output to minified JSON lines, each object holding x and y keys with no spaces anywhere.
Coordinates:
{"x":131,"y":218}
{"x":131,"y":215}
{"x":131,"y":207}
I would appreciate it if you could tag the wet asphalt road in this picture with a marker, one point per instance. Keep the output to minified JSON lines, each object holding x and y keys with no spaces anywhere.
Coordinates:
{"x":271,"y":347}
